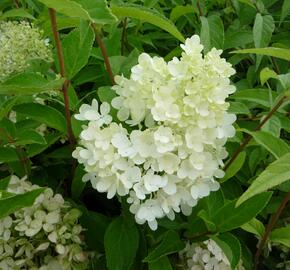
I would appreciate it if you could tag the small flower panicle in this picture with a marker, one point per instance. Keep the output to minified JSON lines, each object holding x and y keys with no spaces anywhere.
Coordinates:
{"x":206,"y":255}
{"x":45,"y":236}
{"x":174,"y":150}
{"x":19,"y":43}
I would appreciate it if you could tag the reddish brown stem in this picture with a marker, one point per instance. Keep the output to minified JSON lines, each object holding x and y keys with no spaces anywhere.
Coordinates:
{"x":24,"y":160}
{"x":196,"y":236}
{"x":269,"y":228}
{"x":16,"y":3}
{"x":199,"y":8}
{"x":249,"y":137}
{"x":56,"y":36}
{"x":104,"y":53}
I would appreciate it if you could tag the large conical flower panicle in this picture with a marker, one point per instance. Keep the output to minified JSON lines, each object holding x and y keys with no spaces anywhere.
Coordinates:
{"x":180,"y":124}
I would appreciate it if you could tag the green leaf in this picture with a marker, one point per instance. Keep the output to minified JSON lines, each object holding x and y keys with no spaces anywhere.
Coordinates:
{"x":273,"y":126}
{"x":121,"y":244}
{"x":254,"y":226}
{"x":284,"y":79}
{"x":8,"y":154}
{"x":275,"y":174}
{"x":29,"y":83}
{"x":179,"y":11}
{"x":281,"y":236}
{"x":274,"y":145}
{"x":231,"y":246}
{"x":262,"y":30}
{"x":78,"y":184}
{"x":77,"y":47}
{"x":235,"y":167}
{"x":35,"y":149}
{"x":266,"y":74}
{"x":212,"y":32}
{"x":14,"y":203}
{"x":212,"y":203}
{"x":237,"y":39}
{"x":270,"y":51}
{"x":248,"y":2}
{"x":98,"y":11}
{"x":147,"y":15}
{"x":19,"y":12}
{"x":62,"y":23}
{"x":8,"y":104}
{"x":44,"y":114}
{"x":95,"y":225}
{"x":95,"y":11}
{"x":285,"y":10}
{"x":4,"y":182}
{"x":170,"y":243}
{"x":106,"y":94}
{"x":230,"y":217}
{"x":29,"y":136}
{"x":207,"y":221}
{"x":238,"y":108}
{"x":63,"y":152}
{"x":162,"y":264}
{"x":260,"y":96}
{"x":73,"y":98}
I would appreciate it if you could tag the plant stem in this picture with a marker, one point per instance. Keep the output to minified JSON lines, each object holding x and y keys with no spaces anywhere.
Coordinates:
{"x":70,"y":134}
{"x":249,"y":137}
{"x":269,"y":227}
{"x":199,"y":8}
{"x":124,"y":30}
{"x":24,"y":160}
{"x":276,"y":67}
{"x":195,"y":236}
{"x":104,"y":53}
{"x":16,"y":3}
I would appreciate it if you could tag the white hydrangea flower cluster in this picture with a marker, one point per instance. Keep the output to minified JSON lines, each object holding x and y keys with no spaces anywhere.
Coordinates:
{"x":19,"y":43}
{"x":45,"y":236}
{"x":170,"y":156}
{"x":206,"y":256}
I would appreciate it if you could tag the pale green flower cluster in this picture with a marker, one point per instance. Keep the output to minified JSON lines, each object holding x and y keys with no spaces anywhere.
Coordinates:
{"x":206,"y":255}
{"x":45,"y":236}
{"x":19,"y":43}
{"x":171,"y":156}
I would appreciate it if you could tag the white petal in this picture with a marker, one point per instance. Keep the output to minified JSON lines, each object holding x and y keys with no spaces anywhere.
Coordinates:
{"x":105,"y":108}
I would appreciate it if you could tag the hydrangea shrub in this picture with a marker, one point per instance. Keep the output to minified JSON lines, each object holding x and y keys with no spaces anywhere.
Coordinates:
{"x":46,"y":235}
{"x":147,"y":154}
{"x":20,"y":42}
{"x":179,"y":123}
